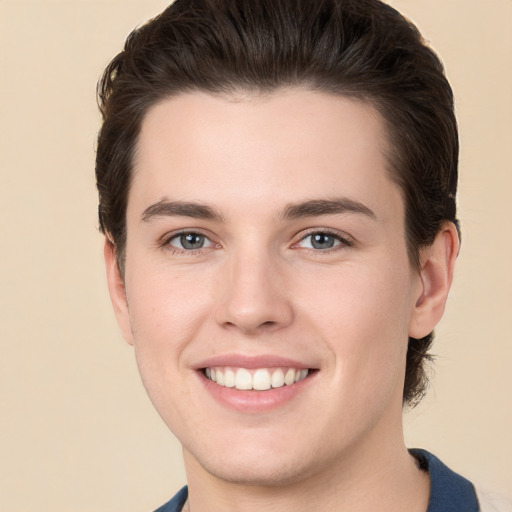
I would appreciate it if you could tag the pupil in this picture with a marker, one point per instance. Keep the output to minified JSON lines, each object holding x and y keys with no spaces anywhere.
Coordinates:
{"x":322,"y":241}
{"x":192,"y":241}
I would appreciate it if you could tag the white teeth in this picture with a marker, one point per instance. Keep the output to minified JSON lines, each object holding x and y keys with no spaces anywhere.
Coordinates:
{"x":229,"y":378}
{"x":277,"y":378}
{"x":289,"y":378}
{"x":300,"y":375}
{"x":260,"y":379}
{"x":243,"y":379}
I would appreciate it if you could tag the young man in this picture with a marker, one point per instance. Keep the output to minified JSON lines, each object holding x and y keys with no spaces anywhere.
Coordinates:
{"x":277,"y":185}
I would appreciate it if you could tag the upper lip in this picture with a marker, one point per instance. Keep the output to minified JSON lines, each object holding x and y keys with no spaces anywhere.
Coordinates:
{"x":252,"y":362}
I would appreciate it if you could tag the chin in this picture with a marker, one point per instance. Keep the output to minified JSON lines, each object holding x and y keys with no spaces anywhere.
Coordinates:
{"x":260,"y":474}
{"x":259,"y":466}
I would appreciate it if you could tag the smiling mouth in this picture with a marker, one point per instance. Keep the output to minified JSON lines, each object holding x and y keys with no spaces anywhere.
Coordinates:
{"x":260,"y":379}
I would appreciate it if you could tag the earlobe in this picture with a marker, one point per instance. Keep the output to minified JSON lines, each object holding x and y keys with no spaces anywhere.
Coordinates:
{"x":117,"y":291}
{"x":437,"y":263}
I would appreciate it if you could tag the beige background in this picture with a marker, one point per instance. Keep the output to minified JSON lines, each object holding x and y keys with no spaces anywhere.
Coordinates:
{"x":77,"y":431}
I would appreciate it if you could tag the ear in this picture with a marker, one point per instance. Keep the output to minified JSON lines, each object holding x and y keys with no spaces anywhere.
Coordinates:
{"x":117,"y":290}
{"x":437,"y":262}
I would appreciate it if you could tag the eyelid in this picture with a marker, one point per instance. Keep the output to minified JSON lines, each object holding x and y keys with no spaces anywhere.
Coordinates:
{"x":208,"y":242}
{"x":165,"y":240}
{"x":344,"y":239}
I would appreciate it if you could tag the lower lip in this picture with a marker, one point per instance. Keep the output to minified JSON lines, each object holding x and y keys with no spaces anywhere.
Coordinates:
{"x":255,"y":401}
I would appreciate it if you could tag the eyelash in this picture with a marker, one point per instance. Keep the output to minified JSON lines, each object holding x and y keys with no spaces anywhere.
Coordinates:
{"x":166,"y":242}
{"x":343,"y":242}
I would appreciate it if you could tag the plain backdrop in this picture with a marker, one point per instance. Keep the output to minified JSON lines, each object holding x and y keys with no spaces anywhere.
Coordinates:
{"x":77,"y":432}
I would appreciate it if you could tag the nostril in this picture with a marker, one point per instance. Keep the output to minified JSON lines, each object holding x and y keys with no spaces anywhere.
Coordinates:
{"x":252,"y":327}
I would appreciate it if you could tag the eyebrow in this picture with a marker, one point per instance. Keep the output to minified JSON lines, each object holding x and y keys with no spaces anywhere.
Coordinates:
{"x":165,"y":208}
{"x":311,"y":208}
{"x":318,"y":207}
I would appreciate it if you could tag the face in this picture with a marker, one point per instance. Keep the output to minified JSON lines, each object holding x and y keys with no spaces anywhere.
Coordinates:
{"x":266,"y":251}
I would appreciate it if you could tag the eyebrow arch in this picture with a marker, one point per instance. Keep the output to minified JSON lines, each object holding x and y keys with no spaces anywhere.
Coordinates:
{"x":317,"y":207}
{"x":165,"y":208}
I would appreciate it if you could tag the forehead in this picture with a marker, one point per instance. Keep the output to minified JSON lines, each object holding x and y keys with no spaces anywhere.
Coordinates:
{"x":287,"y":146}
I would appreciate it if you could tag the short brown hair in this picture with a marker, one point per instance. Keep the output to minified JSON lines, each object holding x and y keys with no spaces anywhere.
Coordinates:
{"x":354,"y":48}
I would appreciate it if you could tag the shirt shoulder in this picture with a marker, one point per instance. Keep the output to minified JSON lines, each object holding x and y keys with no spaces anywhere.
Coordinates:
{"x":490,"y":502}
{"x":449,"y":491}
{"x":176,"y":503}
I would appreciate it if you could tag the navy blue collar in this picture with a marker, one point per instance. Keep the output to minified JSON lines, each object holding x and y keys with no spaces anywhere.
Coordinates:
{"x":449,"y":492}
{"x":176,"y":504}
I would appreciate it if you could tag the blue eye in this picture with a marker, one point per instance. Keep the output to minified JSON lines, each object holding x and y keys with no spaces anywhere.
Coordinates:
{"x":190,"y":241}
{"x":322,"y":240}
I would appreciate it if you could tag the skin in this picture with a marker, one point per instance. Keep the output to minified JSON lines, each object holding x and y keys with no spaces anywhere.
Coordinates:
{"x":259,"y":287}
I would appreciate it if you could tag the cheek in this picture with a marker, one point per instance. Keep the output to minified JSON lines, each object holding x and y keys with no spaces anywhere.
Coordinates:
{"x":362,"y":317}
{"x":166,"y":311}
{"x":165,"y":301}
{"x":358,"y":297}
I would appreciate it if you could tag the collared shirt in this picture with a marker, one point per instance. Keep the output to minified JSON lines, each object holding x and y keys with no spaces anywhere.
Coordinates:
{"x":449,"y":492}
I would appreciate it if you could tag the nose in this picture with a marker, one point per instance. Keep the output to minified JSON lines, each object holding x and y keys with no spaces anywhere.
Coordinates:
{"x":254,"y":295}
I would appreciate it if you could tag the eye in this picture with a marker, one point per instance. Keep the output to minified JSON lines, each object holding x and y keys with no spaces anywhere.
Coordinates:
{"x":190,"y":241}
{"x":322,"y":241}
